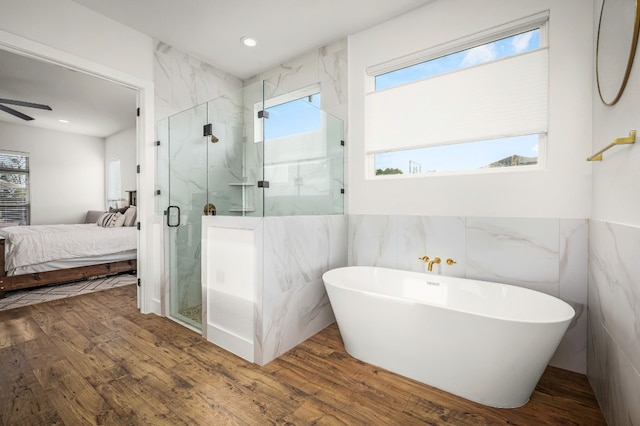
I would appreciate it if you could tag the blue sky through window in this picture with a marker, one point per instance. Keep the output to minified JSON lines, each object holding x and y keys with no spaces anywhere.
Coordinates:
{"x":458,"y":157}
{"x":297,"y":116}
{"x":498,"y":49}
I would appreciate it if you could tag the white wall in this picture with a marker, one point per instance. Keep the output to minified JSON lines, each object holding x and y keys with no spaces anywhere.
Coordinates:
{"x":122,"y":146}
{"x":72,"y":28}
{"x":560,"y":191}
{"x":66,"y":172}
{"x":616,"y":179}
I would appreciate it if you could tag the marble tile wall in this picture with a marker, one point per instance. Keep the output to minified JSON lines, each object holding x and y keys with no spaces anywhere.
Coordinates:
{"x":182,"y":81}
{"x":548,"y":255}
{"x":295,"y":306}
{"x":326,"y":65}
{"x":614,"y":320}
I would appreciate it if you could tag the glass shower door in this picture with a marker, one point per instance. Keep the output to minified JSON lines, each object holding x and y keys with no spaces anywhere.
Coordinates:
{"x":187,"y":197}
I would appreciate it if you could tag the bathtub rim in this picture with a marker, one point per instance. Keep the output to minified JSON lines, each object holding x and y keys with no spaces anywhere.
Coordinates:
{"x":554,"y":299}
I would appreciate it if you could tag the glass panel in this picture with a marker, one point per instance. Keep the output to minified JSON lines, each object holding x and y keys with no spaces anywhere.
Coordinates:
{"x":506,"y":152}
{"x":246,"y":197}
{"x":188,"y":192}
{"x":487,"y":52}
{"x":302,"y":158}
{"x":226,"y":179}
{"x":335,"y":151}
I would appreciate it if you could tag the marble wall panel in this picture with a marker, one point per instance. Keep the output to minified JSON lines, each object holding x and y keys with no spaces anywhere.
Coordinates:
{"x":519,"y":251}
{"x":615,"y":283}
{"x":373,"y":240}
{"x":614,"y":320}
{"x":615,"y":382}
{"x":432,"y":236}
{"x":297,"y":251}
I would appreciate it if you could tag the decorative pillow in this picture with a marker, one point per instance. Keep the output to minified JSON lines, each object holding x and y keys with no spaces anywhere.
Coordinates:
{"x":111,"y":220}
{"x":115,"y":210}
{"x":93,"y":216}
{"x":130,"y":216}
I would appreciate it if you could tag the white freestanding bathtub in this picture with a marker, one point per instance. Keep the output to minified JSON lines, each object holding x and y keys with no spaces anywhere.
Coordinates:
{"x":483,"y":341}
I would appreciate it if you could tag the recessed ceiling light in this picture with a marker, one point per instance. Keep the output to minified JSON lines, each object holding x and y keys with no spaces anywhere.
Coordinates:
{"x":64,"y":121}
{"x":248,"y":41}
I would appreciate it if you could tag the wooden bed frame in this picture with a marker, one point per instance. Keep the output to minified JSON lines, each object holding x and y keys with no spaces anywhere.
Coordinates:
{"x":37,"y":279}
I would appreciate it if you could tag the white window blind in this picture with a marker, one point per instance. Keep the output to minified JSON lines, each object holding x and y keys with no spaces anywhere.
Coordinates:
{"x":14,"y":189}
{"x":500,"y":99}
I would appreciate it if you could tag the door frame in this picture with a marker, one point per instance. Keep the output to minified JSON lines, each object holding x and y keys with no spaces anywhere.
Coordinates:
{"x":147,"y":300}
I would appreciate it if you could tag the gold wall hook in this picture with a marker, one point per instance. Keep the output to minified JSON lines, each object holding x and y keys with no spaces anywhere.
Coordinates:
{"x":451,"y":262}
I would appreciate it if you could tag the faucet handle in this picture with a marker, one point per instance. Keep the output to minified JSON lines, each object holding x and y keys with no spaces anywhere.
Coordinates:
{"x":451,"y":262}
{"x":425,"y":259}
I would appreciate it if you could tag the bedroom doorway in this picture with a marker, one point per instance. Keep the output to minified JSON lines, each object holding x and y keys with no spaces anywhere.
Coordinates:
{"x":147,"y":298}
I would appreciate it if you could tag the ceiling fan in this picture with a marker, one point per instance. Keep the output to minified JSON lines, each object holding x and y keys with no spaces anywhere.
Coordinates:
{"x":23,"y":104}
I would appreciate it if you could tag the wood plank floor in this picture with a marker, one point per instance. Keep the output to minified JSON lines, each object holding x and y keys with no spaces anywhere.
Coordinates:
{"x":94,"y":359}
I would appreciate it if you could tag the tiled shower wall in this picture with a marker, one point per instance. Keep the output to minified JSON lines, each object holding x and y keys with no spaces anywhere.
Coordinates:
{"x":548,"y":255}
{"x":614,"y":320}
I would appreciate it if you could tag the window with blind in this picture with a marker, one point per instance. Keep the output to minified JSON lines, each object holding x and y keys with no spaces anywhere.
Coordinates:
{"x":14,"y":189}
{"x":478,"y":104}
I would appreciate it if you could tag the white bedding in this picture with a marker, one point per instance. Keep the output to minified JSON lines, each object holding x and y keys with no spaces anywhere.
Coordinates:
{"x":29,"y":245}
{"x":76,"y":262}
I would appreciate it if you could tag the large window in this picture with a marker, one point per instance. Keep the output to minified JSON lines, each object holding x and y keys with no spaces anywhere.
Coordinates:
{"x":478,"y":104}
{"x":14,"y":189}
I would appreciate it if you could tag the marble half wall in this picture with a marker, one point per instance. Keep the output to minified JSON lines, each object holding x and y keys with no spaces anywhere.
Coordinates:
{"x":295,"y":306}
{"x":614,"y":320}
{"x":548,"y":255}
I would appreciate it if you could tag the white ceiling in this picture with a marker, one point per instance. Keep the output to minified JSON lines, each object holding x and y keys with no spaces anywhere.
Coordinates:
{"x":207,"y":29}
{"x":211,"y":29}
{"x":93,"y":106}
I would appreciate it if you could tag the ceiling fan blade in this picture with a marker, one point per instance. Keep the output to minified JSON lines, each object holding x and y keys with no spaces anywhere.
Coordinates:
{"x":25,"y":104}
{"x":16,"y":113}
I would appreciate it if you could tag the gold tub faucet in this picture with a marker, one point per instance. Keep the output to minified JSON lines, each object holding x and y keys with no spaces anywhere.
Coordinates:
{"x":435,"y":260}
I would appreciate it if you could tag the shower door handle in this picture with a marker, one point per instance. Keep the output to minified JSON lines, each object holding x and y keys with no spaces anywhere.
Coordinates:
{"x":169,"y":216}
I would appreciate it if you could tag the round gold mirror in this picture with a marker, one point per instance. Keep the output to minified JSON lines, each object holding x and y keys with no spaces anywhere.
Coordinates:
{"x":616,"y":47}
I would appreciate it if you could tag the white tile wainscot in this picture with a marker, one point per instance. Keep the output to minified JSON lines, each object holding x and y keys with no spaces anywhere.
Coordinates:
{"x":231,"y":281}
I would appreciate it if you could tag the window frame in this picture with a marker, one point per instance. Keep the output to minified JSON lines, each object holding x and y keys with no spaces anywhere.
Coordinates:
{"x":27,"y":173}
{"x":537,"y":21}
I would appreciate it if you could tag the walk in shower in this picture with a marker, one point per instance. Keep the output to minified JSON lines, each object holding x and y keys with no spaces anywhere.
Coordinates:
{"x":256,"y":152}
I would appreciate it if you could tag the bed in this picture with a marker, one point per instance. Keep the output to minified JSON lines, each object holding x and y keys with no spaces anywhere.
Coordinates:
{"x":32,"y":256}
